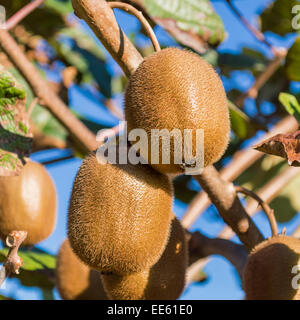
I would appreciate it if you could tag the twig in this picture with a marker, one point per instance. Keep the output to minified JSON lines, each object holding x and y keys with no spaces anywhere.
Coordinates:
{"x":100,"y":17}
{"x":224,"y":197}
{"x":240,"y":162}
{"x":22,"y":13}
{"x":71,"y":156}
{"x":78,"y":131}
{"x":267,"y":193}
{"x":268,"y":211}
{"x":257,"y":34}
{"x":138,"y":14}
{"x":13,"y":262}
{"x":32,"y":105}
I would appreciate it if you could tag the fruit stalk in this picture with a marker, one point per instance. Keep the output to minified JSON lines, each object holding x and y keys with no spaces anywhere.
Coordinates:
{"x":100,"y":17}
{"x":268,"y":211}
{"x":128,"y":8}
{"x":13,"y":262}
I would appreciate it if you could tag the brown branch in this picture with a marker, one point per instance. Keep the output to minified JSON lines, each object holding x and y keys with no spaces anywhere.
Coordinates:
{"x":267,"y":193}
{"x":13,"y":262}
{"x":100,"y":17}
{"x":139,"y":15}
{"x":201,"y":247}
{"x":22,"y":13}
{"x":266,"y":208}
{"x":240,"y":162}
{"x":224,"y":197}
{"x":84,"y":138}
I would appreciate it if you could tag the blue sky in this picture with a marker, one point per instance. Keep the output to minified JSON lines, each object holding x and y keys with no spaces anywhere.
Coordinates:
{"x":223,"y":282}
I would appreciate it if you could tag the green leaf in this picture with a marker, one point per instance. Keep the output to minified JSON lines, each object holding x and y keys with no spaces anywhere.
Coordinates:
{"x":291,"y":104}
{"x":193,"y":23}
{"x":262,"y":171}
{"x":40,"y":116}
{"x":47,"y":124}
{"x":38,"y":267}
{"x":292,"y":63}
{"x":15,"y":138}
{"x":61,"y":6}
{"x":34,"y":259}
{"x":228,"y":61}
{"x":5,"y":298}
{"x":278,"y":17}
{"x":240,"y":122}
{"x":86,"y":56}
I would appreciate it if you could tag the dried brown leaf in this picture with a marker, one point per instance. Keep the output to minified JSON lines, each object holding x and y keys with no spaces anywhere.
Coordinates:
{"x":283,"y":145}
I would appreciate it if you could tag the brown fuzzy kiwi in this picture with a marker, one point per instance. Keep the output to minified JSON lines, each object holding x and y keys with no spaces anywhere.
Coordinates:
{"x":164,"y":281}
{"x":177,"y":89}
{"x":268,"y":272}
{"x":28,"y":203}
{"x":74,"y":279}
{"x":119,"y":216}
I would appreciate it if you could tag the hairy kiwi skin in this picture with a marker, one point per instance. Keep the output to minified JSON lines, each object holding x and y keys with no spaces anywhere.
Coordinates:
{"x":28,"y":203}
{"x":74,"y":279}
{"x":268,"y":272}
{"x":177,"y":89}
{"x":163,"y":281}
{"x":119,"y":216}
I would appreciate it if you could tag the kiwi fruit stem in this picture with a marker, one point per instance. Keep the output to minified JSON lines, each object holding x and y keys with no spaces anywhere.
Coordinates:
{"x":139,"y":15}
{"x":266,"y":208}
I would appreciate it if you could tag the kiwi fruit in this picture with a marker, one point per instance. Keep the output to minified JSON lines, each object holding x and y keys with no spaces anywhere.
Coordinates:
{"x":163,"y":281}
{"x":119,"y":215}
{"x":28,"y":203}
{"x":177,"y":89}
{"x":74,"y":279}
{"x":268,"y":273}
